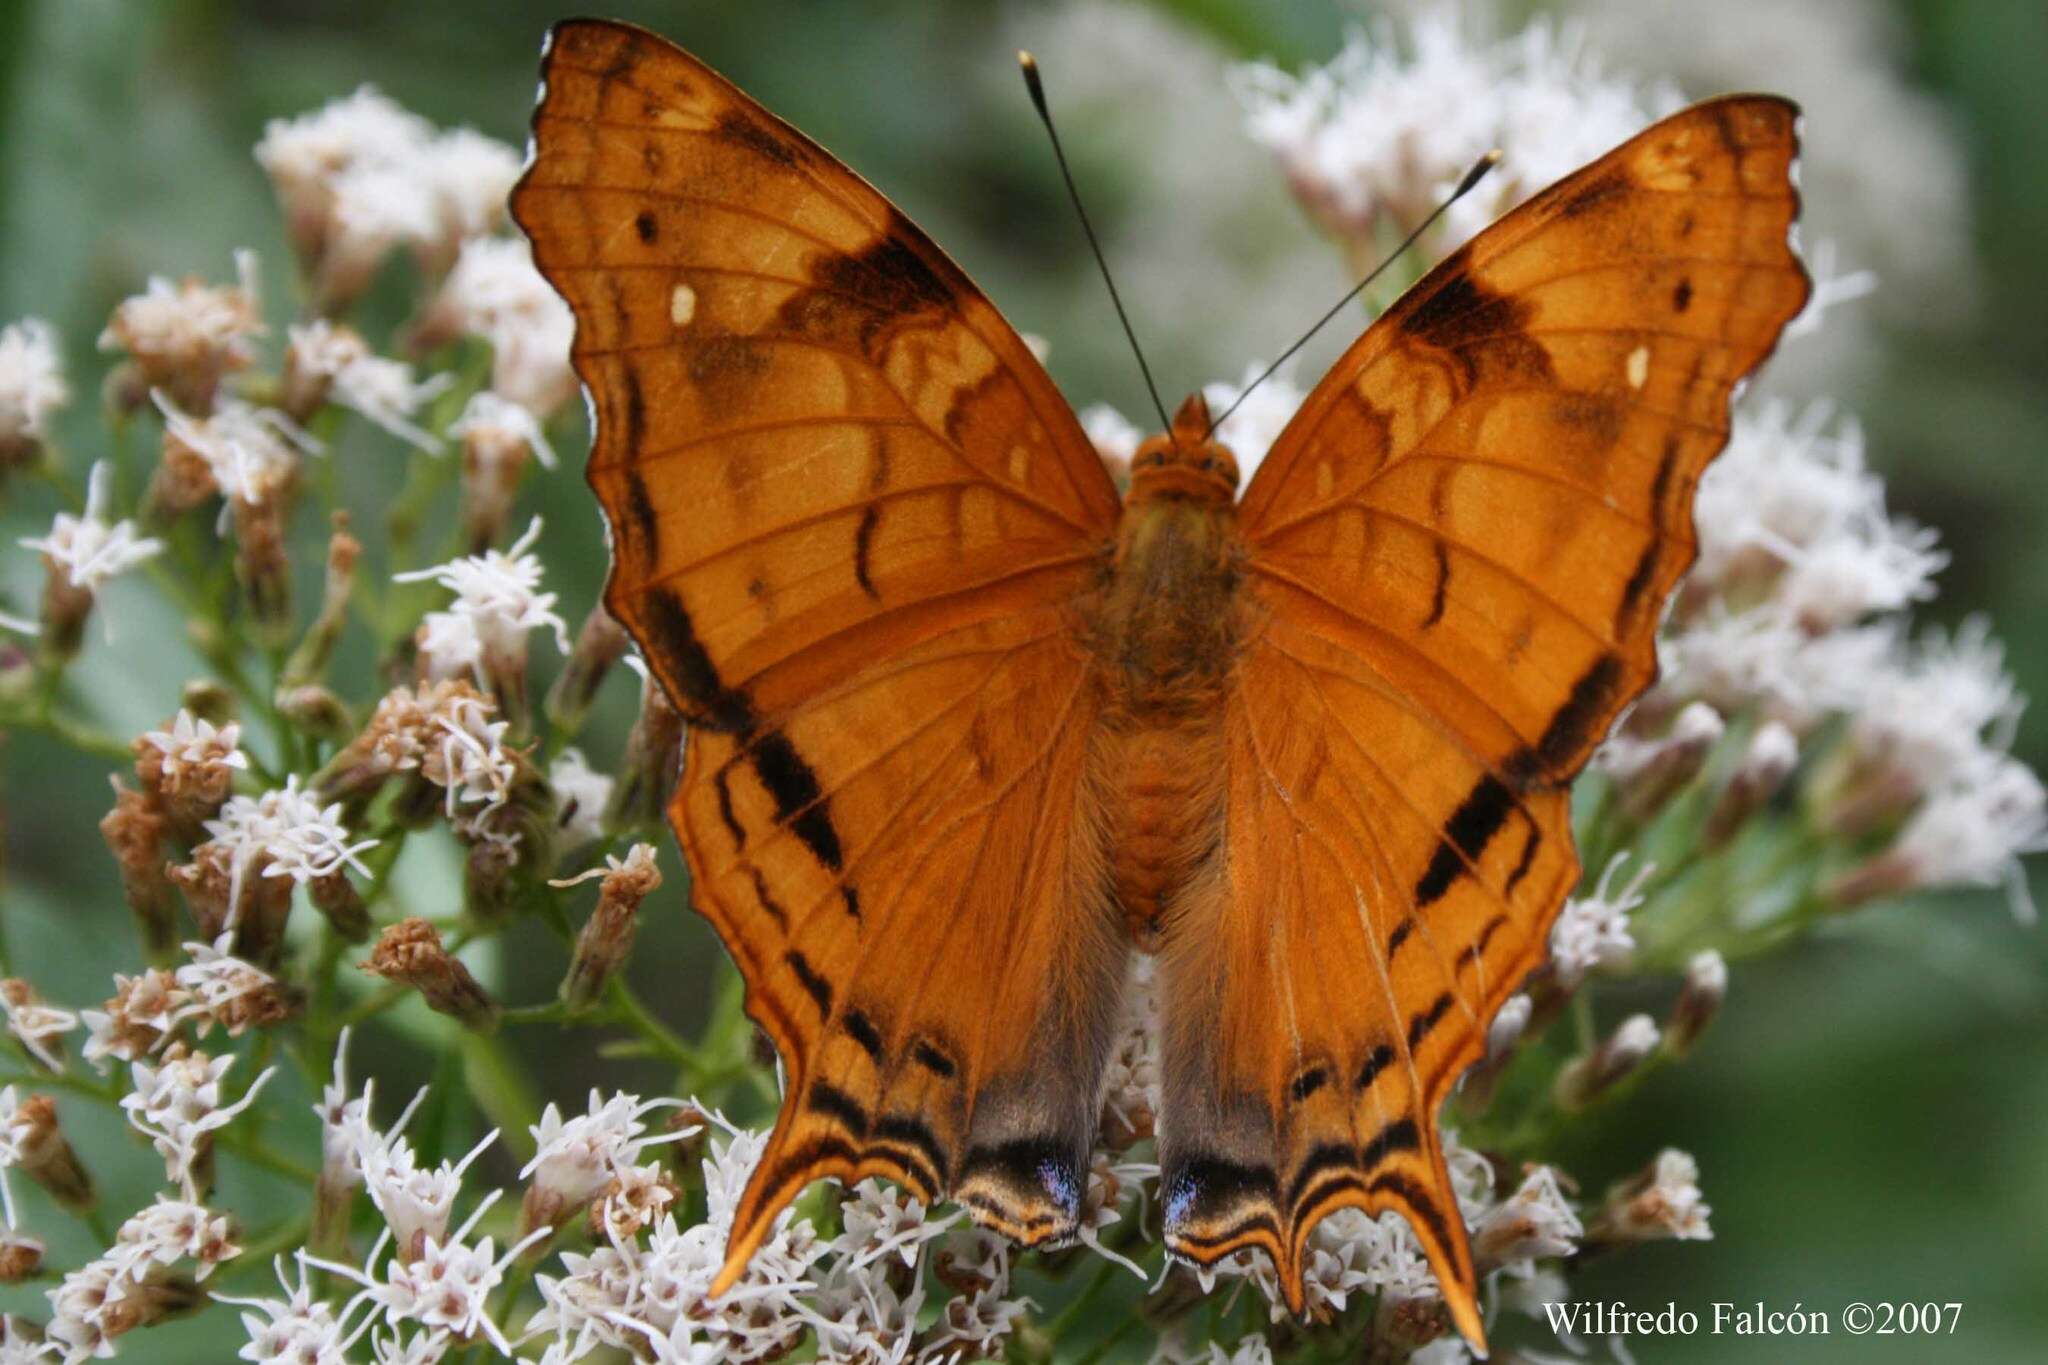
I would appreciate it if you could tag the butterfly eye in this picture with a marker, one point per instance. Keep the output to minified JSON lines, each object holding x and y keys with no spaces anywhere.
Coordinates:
{"x":1206,"y":464}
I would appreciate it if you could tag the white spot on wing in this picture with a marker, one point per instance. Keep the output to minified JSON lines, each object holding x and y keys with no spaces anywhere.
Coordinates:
{"x":682,"y":305}
{"x":1638,"y":366}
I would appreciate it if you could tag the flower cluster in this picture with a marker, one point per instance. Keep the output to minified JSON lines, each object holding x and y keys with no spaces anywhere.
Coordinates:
{"x":374,"y":825}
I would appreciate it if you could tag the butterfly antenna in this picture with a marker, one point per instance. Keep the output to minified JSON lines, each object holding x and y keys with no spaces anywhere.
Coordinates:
{"x":1037,"y":89}
{"x":1472,"y":177}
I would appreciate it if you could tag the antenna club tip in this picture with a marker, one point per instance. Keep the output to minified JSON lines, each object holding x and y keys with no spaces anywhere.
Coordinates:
{"x":1028,"y":64}
{"x":1476,"y":174}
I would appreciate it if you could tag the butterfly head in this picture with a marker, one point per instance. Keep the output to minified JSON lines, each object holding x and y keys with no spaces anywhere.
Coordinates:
{"x":1184,"y":463}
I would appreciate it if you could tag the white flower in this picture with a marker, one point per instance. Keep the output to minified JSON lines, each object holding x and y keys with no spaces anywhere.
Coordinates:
{"x":447,"y":1287}
{"x":1252,"y":1350}
{"x":1941,"y":713}
{"x":17,"y":1134}
{"x":470,"y":177}
{"x":1662,"y":1201}
{"x":1383,"y":132}
{"x":862,"y":1319}
{"x":1535,"y":1221}
{"x":1592,"y":931}
{"x":495,"y":293}
{"x":1107,"y":1186}
{"x":223,"y":984}
{"x":143,"y":1016}
{"x":497,"y":601}
{"x":422,"y":1348}
{"x":35,"y":1023}
{"x":17,"y":1347}
{"x":1696,"y":729}
{"x":289,"y":832}
{"x":651,"y":1299}
{"x":883,"y":1222}
{"x":190,"y":327}
{"x":31,"y":380}
{"x":303,"y":154}
{"x":581,"y":795}
{"x":1251,"y":430}
{"x":192,"y":746}
{"x":976,"y":1324}
{"x":1832,"y":286}
{"x":416,"y":1202}
{"x":86,"y":548}
{"x":298,"y":1329}
{"x":1130,"y":1084}
{"x":1974,"y":834}
{"x":1792,"y":521}
{"x":576,"y":1157}
{"x":474,"y":764}
{"x":252,"y":453}
{"x":1508,"y":1022}
{"x":1114,"y":436}
{"x":176,"y":1104}
{"x":172,"y":1230}
{"x":490,"y":421}
{"x":379,"y":388}
{"x":344,"y":1121}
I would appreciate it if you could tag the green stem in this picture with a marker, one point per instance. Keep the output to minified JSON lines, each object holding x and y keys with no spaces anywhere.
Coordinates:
{"x":1069,"y":1315}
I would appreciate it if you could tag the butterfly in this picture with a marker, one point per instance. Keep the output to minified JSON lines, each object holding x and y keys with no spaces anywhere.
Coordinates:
{"x":968,"y":727}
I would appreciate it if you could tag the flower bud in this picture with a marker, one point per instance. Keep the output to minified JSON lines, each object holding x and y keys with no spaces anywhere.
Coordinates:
{"x":32,"y":1143}
{"x":490,"y":886}
{"x":1649,"y":772}
{"x":607,"y":937}
{"x":651,"y":764}
{"x":337,"y":899}
{"x":182,"y":481}
{"x":410,"y":952}
{"x":1699,"y":1000}
{"x":263,"y":566}
{"x":499,"y":438}
{"x":20,"y":1258}
{"x":186,"y":337}
{"x":1661,"y":1201}
{"x":187,"y":769}
{"x":134,"y":831}
{"x":600,"y":643}
{"x":66,"y":605}
{"x":1772,"y":755}
{"x":316,"y":650}
{"x":17,"y":674}
{"x":207,"y":700}
{"x":1612,"y":1061}
{"x":211,"y":883}
{"x":317,"y":711}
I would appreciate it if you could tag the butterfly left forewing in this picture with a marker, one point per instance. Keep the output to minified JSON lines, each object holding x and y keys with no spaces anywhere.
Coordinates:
{"x":850,"y":516}
{"x":1458,"y":552}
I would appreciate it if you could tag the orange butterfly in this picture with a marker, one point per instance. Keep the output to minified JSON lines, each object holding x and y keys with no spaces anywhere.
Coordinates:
{"x":966,"y":725}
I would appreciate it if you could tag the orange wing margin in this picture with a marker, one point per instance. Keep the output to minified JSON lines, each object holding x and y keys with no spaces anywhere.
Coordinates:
{"x":849,"y":514}
{"x":1458,"y":555}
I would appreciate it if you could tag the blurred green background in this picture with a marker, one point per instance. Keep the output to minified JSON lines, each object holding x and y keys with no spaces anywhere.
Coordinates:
{"x":1868,"y":1113}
